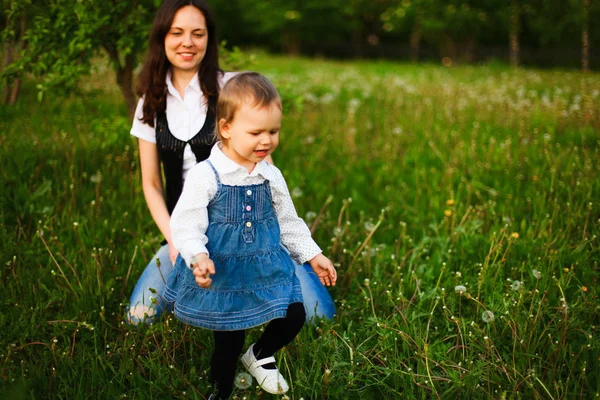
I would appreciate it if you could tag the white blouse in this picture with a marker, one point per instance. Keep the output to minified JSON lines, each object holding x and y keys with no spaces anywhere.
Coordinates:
{"x":189,"y":220}
{"x":185,"y":116}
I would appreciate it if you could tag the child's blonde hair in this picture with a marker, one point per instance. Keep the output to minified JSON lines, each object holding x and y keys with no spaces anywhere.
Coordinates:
{"x":244,"y":88}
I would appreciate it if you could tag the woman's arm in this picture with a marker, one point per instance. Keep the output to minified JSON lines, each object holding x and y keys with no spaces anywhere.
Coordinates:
{"x":153,"y":191}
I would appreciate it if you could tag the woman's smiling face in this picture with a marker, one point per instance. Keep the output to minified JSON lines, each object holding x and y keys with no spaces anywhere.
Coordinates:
{"x":186,"y":41}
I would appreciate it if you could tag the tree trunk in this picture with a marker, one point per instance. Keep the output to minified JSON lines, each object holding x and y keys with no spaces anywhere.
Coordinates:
{"x":14,"y":93}
{"x":514,"y":33}
{"x":357,"y":42}
{"x":415,"y":36}
{"x":585,"y":39}
{"x":125,"y":82}
{"x":8,"y":59}
{"x":124,"y":76}
{"x":290,"y":43}
{"x":447,"y":47}
{"x":469,"y":46}
{"x":12,"y":89}
{"x":415,"y":43}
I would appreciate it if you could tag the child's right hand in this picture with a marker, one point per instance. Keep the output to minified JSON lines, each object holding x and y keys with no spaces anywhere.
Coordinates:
{"x":324,"y":269}
{"x":202,"y":268}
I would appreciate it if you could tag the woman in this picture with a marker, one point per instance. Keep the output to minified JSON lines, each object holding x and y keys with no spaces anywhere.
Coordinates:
{"x":174,"y":122}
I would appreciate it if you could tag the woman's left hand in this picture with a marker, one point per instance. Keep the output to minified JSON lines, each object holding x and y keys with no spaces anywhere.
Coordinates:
{"x":324,"y":269}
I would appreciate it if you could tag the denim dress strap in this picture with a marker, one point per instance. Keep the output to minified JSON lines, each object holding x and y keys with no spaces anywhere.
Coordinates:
{"x":216,"y":175}
{"x":219,"y":184}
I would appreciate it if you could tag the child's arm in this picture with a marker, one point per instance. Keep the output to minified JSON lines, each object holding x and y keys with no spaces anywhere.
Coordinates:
{"x":295,"y":234}
{"x":189,"y":220}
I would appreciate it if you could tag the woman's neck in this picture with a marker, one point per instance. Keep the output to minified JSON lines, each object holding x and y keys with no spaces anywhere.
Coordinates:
{"x":181,"y":79}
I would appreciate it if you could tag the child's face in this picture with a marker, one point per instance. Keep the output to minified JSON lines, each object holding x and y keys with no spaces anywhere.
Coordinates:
{"x":252,"y":135}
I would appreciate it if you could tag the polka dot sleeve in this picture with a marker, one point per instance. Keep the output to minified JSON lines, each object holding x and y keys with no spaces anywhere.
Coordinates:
{"x":295,"y":234}
{"x":189,"y":220}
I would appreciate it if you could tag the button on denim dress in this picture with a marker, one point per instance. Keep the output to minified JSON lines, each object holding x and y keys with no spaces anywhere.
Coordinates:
{"x":254,"y":280}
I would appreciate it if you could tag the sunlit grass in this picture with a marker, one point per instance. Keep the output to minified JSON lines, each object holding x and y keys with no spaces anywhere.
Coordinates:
{"x":459,"y":204}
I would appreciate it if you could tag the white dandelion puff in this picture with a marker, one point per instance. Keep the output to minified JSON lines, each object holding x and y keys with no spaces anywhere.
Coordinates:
{"x":297,"y":192}
{"x":537,"y":274}
{"x":243,"y":380}
{"x":515,"y":285}
{"x":97,"y":177}
{"x":310,"y":216}
{"x":460,"y":289}
{"x":487,"y":317}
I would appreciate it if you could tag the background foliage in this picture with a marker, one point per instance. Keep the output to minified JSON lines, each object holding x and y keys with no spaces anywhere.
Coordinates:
{"x":55,"y":40}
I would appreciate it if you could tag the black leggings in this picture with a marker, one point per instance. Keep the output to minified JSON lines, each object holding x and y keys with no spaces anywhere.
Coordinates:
{"x":229,"y":345}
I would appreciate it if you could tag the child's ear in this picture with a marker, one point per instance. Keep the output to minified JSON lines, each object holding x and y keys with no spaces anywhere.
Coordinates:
{"x":224,"y":128}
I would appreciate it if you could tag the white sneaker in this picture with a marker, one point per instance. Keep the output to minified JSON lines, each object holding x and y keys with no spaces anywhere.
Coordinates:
{"x":268,"y":379}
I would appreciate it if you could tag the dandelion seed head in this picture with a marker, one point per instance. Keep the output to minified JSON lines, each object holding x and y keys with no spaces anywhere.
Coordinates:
{"x":297,"y":192}
{"x":537,"y":274}
{"x":460,"y":289}
{"x":487,"y":316}
{"x":243,"y":380}
{"x":310,"y":216}
{"x":515,"y":285}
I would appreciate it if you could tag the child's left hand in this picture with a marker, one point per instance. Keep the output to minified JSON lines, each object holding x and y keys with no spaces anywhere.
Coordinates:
{"x":324,"y":269}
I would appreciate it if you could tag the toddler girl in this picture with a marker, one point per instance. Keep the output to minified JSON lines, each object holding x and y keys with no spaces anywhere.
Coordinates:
{"x":237,"y":231}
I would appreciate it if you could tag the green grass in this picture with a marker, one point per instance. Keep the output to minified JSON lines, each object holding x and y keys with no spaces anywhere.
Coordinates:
{"x":421,"y":178}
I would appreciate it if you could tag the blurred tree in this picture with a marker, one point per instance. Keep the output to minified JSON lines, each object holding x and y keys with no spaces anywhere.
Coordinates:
{"x":515,"y":27}
{"x":419,"y":17}
{"x":121,"y":28}
{"x":585,"y":37}
{"x":463,"y":23}
{"x":453,"y":25}
{"x":508,"y":16}
{"x":552,"y":21}
{"x":288,"y":24}
{"x":558,"y":22}
{"x":13,"y":25}
{"x":60,"y":37}
{"x":55,"y":40}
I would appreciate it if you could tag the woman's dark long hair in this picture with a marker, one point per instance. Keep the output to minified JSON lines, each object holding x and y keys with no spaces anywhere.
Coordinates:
{"x":152,"y":80}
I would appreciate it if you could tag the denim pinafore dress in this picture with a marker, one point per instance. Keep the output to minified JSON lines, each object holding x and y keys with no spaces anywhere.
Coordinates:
{"x":254,"y":280}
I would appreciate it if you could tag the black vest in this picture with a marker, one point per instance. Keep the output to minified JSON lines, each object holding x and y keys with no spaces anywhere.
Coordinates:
{"x":170,"y":152}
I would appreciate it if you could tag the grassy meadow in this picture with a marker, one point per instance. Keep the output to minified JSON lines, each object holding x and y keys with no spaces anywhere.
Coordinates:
{"x":461,"y":206}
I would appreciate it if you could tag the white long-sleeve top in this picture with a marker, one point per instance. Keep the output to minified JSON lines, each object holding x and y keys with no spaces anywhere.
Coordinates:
{"x":185,"y":116}
{"x":189,"y":220}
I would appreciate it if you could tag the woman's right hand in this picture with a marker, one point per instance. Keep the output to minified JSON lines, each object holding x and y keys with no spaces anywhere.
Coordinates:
{"x":202,"y":268}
